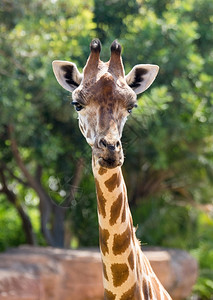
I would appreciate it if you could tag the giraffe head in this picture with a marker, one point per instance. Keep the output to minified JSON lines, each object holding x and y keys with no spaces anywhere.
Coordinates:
{"x":104,"y":97}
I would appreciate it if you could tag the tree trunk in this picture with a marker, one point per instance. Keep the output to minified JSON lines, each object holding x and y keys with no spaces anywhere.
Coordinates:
{"x":58,"y":226}
{"x":45,"y":201}
{"x":26,"y":223}
{"x":74,"y":187}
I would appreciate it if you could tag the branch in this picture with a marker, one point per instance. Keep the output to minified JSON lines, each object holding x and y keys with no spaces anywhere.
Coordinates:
{"x":206,"y":208}
{"x":4,"y":166}
{"x":26,"y":222}
{"x":3,"y":181}
{"x":45,"y":201}
{"x":77,"y":177}
{"x":19,"y":160}
{"x":153,"y":182}
{"x":73,"y":189}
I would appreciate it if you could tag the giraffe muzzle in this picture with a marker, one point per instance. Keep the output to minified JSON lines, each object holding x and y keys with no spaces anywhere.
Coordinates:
{"x":109,"y":153}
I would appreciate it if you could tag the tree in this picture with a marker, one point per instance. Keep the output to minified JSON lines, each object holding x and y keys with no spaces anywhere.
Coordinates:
{"x":35,"y":125}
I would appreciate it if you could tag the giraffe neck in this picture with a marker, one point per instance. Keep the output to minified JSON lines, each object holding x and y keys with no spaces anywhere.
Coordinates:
{"x":127,"y":273}
{"x":116,"y":232}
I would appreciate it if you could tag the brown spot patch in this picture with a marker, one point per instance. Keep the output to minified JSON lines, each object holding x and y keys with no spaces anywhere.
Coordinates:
{"x":131,"y":260}
{"x":101,"y":200}
{"x":121,"y":242}
{"x":102,"y":171}
{"x":101,"y":116}
{"x":132,"y":294}
{"x":145,"y":290}
{"x":103,"y":238}
{"x":116,"y":209}
{"x":150,"y":290}
{"x":109,"y":295}
{"x":88,"y":134}
{"x":120,"y":273}
{"x":110,"y":107}
{"x":119,"y":179}
{"x":123,"y":217}
{"x":111,"y":182}
{"x":155,"y":285}
{"x":105,"y":271}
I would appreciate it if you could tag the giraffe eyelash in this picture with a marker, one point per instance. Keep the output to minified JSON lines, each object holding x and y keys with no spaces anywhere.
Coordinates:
{"x":78,"y":106}
{"x":129,"y":109}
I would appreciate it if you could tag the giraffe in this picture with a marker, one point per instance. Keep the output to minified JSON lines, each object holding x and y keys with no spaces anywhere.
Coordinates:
{"x":103,"y":98}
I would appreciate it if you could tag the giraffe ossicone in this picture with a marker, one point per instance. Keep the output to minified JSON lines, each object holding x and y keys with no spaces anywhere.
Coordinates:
{"x":104,"y":97}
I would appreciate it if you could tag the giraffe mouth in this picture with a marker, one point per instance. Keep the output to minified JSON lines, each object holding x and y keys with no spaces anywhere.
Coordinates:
{"x":110,"y":163}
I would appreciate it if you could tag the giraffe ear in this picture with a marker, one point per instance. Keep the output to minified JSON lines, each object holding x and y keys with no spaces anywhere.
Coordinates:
{"x":67,"y":74}
{"x":141,"y":77}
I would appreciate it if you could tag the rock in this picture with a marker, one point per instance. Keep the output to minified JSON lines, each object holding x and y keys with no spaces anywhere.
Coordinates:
{"x":37,"y":273}
{"x":176,"y":270}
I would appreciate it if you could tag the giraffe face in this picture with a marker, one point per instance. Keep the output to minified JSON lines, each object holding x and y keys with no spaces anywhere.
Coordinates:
{"x":103,"y":107}
{"x":104,"y":97}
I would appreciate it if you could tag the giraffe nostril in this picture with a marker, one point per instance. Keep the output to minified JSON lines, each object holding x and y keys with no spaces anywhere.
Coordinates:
{"x":103,"y":143}
{"x":118,"y":144}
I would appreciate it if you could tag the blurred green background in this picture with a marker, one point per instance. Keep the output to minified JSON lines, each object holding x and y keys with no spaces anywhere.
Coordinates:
{"x":47,"y":194}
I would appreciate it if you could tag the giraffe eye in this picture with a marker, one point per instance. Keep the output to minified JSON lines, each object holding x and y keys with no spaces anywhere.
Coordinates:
{"x":78,"y":106}
{"x":129,"y":109}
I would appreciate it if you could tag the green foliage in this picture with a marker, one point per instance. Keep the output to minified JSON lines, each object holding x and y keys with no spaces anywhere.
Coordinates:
{"x":204,"y":255}
{"x":166,"y":223}
{"x":11,"y":233}
{"x":109,"y":16}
